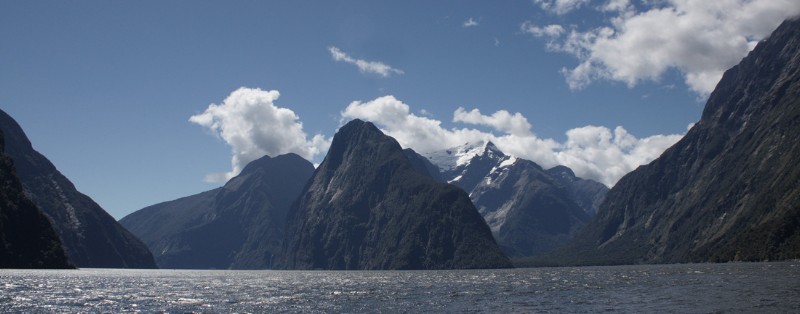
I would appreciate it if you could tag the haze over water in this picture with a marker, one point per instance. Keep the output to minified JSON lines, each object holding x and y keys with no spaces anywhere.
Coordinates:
{"x":687,"y":288}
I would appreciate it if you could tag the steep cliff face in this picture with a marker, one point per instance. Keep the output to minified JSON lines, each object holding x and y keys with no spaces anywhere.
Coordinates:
{"x":730,"y":189}
{"x":237,"y":226}
{"x":366,"y":207}
{"x":91,"y":237}
{"x":27,"y":239}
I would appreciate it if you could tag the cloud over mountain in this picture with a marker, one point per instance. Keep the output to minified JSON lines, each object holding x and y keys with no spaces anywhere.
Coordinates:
{"x":699,"y":39}
{"x":253,"y":126}
{"x":593,"y":152}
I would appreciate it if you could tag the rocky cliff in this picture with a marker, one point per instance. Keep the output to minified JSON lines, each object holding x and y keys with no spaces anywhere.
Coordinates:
{"x":91,"y":237}
{"x":730,"y":189}
{"x":27,"y":239}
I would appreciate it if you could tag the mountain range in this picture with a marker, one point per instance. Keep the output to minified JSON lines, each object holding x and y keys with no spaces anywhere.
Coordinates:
{"x":90,"y":236}
{"x":369,"y":205}
{"x":530,"y":210}
{"x":727,"y":191}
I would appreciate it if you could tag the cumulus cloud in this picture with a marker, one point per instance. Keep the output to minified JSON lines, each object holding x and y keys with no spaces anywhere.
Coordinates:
{"x":253,"y":126}
{"x":593,"y":152}
{"x":364,"y":66}
{"x":604,"y":155}
{"x":501,"y":120}
{"x":560,"y":6}
{"x":699,"y":39}
{"x":470,"y":22}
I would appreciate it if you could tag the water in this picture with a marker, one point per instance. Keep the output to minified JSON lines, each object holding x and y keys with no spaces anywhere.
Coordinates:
{"x":691,"y":288}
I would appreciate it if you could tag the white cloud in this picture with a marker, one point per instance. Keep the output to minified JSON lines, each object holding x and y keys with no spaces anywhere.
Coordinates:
{"x":699,"y":39}
{"x":604,"y":155}
{"x":501,"y":120}
{"x":250,"y":123}
{"x":593,"y":152}
{"x":616,"y":5}
{"x":470,"y":22}
{"x":364,"y":66}
{"x":560,"y":6}
{"x":552,"y":30}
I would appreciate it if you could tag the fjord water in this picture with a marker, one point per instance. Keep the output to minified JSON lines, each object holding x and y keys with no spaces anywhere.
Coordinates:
{"x":685,"y":288}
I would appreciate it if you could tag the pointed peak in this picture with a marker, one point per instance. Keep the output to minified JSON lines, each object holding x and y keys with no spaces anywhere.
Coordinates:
{"x":490,"y":148}
{"x":358,"y":124}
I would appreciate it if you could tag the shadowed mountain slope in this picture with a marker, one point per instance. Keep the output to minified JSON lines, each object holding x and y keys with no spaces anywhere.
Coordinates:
{"x":237,"y":226}
{"x":27,"y":239}
{"x":366,"y":207}
{"x":90,"y":236}
{"x":729,"y":190}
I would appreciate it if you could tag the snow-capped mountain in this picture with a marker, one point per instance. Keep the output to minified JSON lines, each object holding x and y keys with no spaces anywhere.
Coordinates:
{"x":457,"y":157}
{"x":529,"y":210}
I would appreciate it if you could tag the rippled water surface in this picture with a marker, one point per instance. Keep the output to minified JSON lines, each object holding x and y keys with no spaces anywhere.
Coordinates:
{"x":693,"y":288}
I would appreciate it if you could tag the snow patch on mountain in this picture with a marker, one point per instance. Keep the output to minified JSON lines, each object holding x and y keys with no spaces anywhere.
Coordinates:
{"x":450,"y":159}
{"x":508,"y":161}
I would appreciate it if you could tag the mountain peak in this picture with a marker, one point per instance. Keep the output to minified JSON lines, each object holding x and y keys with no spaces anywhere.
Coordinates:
{"x":367,"y":207}
{"x":491,"y":150}
{"x":454,"y":157}
{"x":563,"y":172}
{"x":237,"y":226}
{"x":358,"y":125}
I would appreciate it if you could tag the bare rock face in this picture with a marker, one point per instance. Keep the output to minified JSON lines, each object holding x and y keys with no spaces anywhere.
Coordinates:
{"x":237,"y":226}
{"x":366,"y":207}
{"x":730,"y":189}
{"x":91,"y":237}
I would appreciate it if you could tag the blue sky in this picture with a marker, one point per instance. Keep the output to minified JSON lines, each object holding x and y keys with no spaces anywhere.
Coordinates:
{"x":106,"y":89}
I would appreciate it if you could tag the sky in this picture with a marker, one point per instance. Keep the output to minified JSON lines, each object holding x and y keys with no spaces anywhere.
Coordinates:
{"x":140,"y":102}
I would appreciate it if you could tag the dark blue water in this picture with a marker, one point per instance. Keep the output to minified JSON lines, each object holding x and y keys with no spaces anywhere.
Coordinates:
{"x":692,"y":288}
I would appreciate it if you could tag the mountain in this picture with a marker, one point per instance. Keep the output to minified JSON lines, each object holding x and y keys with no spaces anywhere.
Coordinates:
{"x":588,"y":194}
{"x":529,"y":210}
{"x":729,"y":190}
{"x":366,"y":207}
{"x":237,"y":226}
{"x":27,"y":239}
{"x":90,"y":236}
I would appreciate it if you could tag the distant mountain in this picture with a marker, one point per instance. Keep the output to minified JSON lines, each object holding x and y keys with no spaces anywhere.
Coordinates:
{"x":27,"y":239}
{"x":588,"y":194}
{"x":529,"y":210}
{"x":729,"y":190}
{"x":237,"y":226}
{"x":366,"y":207}
{"x":90,"y":236}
